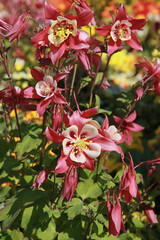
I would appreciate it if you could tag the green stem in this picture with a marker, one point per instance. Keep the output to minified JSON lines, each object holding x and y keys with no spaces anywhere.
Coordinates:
{"x":88,"y":228}
{"x":104,"y":73}
{"x":5,"y":64}
{"x":72,"y":83}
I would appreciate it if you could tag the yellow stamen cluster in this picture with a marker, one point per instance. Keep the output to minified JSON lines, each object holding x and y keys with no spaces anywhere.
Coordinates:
{"x":122,"y":31}
{"x":80,"y":144}
{"x":62,"y":30}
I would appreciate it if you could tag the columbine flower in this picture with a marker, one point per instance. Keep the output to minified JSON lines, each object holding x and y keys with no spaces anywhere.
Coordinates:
{"x":70,"y":182}
{"x":122,"y":30}
{"x":18,"y":27}
{"x":128,"y":186}
{"x":82,"y":143}
{"x":153,"y":72}
{"x":112,"y":131}
{"x":61,"y":29}
{"x":80,"y":146}
{"x":114,"y":212}
{"x":6,"y":97}
{"x":138,"y":94}
{"x":46,"y":88}
{"x":41,"y":178}
{"x":150,"y":214}
{"x":128,"y":126}
{"x":63,"y":32}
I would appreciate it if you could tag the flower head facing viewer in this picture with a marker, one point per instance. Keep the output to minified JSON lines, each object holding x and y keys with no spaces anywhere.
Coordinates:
{"x":82,"y":143}
{"x":122,"y":30}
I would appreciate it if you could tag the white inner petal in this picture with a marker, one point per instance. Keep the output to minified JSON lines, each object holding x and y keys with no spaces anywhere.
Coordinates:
{"x":67,"y":146}
{"x":89,"y":131}
{"x":77,"y":157}
{"x":71,"y":132}
{"x":93,"y":151}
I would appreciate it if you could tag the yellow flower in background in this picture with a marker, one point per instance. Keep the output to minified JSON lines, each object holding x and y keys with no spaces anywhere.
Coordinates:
{"x":30,"y":115}
{"x":123,"y":66}
{"x":19,"y":64}
{"x":12,"y":114}
{"x":89,"y":29}
{"x":123,"y":61}
{"x":137,"y":142}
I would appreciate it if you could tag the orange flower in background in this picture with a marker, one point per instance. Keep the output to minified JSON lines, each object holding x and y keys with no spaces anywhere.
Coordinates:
{"x":60,"y":5}
{"x":109,"y":9}
{"x":146,"y":8}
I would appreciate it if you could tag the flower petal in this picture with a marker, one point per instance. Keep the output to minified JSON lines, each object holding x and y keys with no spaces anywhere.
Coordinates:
{"x":67,"y":146}
{"x":71,"y":132}
{"x":134,"y":42}
{"x":77,"y":157}
{"x":93,"y":151}
{"x":89,"y":131}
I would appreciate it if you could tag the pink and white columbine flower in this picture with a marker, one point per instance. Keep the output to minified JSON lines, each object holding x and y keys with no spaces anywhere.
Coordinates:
{"x":112,"y":131}
{"x":80,"y":145}
{"x":128,"y":126}
{"x":62,"y":33}
{"x":122,"y":30}
{"x":82,"y":142}
{"x":46,"y":88}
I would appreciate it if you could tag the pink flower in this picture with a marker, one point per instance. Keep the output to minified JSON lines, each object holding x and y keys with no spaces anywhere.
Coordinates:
{"x":112,"y":131}
{"x":153,"y":72}
{"x":139,"y":94}
{"x":105,"y":85}
{"x":122,"y":30}
{"x":83,"y":6}
{"x":150,"y":214}
{"x":85,"y":55}
{"x":70,"y":182}
{"x":114,"y":212}
{"x":79,"y":145}
{"x":18,"y":27}
{"x":6,"y":97}
{"x":82,"y":142}
{"x":4,"y":27}
{"x":128,"y":186}
{"x":128,"y":126}
{"x":62,"y":33}
{"x":46,"y":88}
{"x":41,"y":178}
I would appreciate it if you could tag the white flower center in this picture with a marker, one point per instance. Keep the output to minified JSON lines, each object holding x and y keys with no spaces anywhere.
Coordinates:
{"x":80,"y":146}
{"x":61,"y":29}
{"x":47,"y":87}
{"x":121,"y":30}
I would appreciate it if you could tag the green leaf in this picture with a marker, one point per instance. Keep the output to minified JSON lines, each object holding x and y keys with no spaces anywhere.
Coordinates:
{"x":12,"y":164}
{"x":105,"y":176}
{"x":15,"y":235}
{"x":63,"y":236}
{"x":3,"y":193}
{"x":26,"y":217}
{"x":98,"y":227}
{"x":88,"y":189}
{"x":104,"y":111}
{"x":10,"y":219}
{"x":98,"y":101}
{"x":28,"y":143}
{"x":137,"y":223}
{"x":99,"y":77}
{"x":76,"y":207}
{"x":47,"y":231}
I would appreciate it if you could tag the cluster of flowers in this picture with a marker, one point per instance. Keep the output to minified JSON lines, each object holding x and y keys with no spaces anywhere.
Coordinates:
{"x":82,"y":139}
